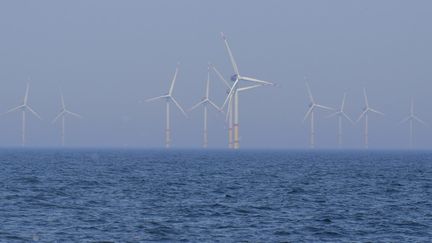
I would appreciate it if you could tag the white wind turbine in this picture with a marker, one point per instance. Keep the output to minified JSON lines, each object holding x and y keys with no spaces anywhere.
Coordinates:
{"x":340,"y":115}
{"x":205,"y":102}
{"x":311,"y":113}
{"x":62,"y":114}
{"x":168,"y":99}
{"x":23,"y":108}
{"x":411,"y":118}
{"x":365,"y":114}
{"x":236,"y":78}
{"x":229,"y":115}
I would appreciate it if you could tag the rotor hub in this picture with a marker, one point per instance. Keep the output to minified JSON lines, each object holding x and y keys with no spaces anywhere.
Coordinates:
{"x":234,"y":77}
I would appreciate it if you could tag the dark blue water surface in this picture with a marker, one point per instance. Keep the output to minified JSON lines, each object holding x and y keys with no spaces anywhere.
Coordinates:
{"x":225,"y":196}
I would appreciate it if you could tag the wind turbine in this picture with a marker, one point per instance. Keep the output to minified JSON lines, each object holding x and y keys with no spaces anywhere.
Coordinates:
{"x":62,"y":114}
{"x":236,"y":78}
{"x":229,"y":115}
{"x":340,"y":115}
{"x":168,"y":99}
{"x":311,"y":113}
{"x":411,"y":118}
{"x":23,"y":108}
{"x":366,"y":110}
{"x":205,"y":102}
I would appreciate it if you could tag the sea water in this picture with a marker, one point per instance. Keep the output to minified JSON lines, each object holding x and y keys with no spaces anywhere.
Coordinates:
{"x":217,"y":195}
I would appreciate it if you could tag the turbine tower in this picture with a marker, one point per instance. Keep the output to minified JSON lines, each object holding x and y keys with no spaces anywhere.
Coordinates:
{"x":411,"y":118}
{"x":366,"y":110}
{"x":236,"y":78}
{"x":168,"y":99}
{"x":23,"y":108}
{"x":311,"y":113}
{"x":62,"y":114}
{"x":340,"y":114}
{"x":205,"y":102}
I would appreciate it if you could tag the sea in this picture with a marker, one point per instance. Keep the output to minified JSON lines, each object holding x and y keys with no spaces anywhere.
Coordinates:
{"x":120,"y":195}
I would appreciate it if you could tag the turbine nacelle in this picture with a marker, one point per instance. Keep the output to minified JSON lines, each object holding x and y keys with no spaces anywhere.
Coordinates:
{"x":234,"y":77}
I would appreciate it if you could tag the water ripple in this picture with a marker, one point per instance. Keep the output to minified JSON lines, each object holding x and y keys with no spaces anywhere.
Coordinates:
{"x":192,"y":196}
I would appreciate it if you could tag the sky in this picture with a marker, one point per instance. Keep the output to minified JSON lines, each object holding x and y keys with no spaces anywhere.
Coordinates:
{"x":108,"y":57}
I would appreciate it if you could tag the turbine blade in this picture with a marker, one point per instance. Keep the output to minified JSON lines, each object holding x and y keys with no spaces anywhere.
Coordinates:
{"x":26,"y":93}
{"x":332,"y":115}
{"x":308,"y":113}
{"x":178,"y":106}
{"x":249,"y":87}
{"x":343,"y":102}
{"x":311,"y":99}
{"x":405,"y":120}
{"x":233,"y":63}
{"x":214,"y":105}
{"x":377,"y":112}
{"x":347,"y":117}
{"x":58,"y":116}
{"x":208,"y":83}
{"x":196,"y":105}
{"x":156,"y":98}
{"x":412,"y":107}
{"x":220,"y":76}
{"x":34,"y":112}
{"x":74,"y":114}
{"x":420,"y":121}
{"x":361,"y":115}
{"x":173,"y":80}
{"x":62,"y":99}
{"x":12,"y":110}
{"x":229,"y":108}
{"x":230,"y":94}
{"x":365,"y":97}
{"x":324,"y":107}
{"x":256,"y":80}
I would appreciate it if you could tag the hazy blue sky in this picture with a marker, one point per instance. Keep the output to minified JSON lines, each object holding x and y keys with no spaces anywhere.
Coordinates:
{"x":109,"y":55}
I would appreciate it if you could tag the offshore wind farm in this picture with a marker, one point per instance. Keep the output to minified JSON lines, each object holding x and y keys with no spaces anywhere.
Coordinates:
{"x":215,"y":121}
{"x":235,"y":84}
{"x":257,"y":81}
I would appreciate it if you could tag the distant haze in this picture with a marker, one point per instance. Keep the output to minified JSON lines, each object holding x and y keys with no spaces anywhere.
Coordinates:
{"x":109,"y":56}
